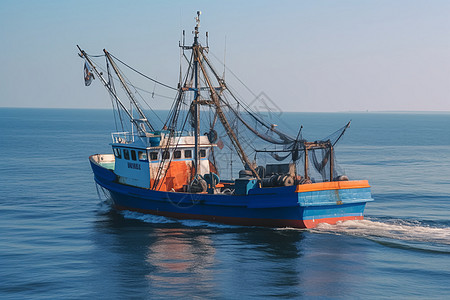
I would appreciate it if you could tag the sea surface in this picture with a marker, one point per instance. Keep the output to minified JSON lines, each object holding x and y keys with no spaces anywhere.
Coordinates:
{"x":60,"y":240}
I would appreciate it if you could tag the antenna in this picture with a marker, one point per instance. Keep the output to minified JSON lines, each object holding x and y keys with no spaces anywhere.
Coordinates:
{"x":181,"y":69}
{"x":183,"y":38}
{"x":197,"y":18}
{"x":224,"y":55}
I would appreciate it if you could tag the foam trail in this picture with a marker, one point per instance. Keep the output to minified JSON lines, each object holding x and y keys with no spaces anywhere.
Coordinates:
{"x":394,"y":229}
{"x":104,"y":207}
{"x":201,"y":223}
{"x":153,"y":219}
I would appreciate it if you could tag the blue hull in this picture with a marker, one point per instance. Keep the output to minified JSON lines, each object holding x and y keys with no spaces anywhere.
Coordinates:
{"x":274,"y":207}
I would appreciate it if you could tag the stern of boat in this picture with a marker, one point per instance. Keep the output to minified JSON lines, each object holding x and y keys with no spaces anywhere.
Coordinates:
{"x":331,"y":202}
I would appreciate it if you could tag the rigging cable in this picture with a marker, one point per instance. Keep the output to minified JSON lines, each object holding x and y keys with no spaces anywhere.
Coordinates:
{"x":112,"y":78}
{"x":111,"y":83}
{"x":246,"y":87}
{"x":154,"y":80}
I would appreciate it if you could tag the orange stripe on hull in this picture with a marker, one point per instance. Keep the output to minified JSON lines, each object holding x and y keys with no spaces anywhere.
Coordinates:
{"x":331,"y":221}
{"x":333,"y":185}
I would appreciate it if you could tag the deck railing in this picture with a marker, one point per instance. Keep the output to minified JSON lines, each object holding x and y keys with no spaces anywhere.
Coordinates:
{"x":122,"y":137}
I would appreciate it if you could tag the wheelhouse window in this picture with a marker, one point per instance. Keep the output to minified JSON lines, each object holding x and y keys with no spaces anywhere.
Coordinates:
{"x":133,"y":155}
{"x":142,"y":156}
{"x":166,"y":154}
{"x":126,"y":154}
{"x":117,"y":153}
{"x":202,"y":153}
{"x":177,"y":154}
{"x":153,"y":155}
{"x":187,"y":153}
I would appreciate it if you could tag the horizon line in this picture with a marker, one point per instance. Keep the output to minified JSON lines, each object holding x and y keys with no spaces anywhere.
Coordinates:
{"x":342,"y":111}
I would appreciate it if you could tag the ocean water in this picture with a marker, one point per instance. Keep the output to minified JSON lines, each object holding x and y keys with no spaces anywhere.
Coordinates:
{"x":60,"y":240}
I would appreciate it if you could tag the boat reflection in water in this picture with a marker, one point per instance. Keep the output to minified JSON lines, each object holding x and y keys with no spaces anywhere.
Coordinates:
{"x":181,"y":257}
{"x":173,"y":259}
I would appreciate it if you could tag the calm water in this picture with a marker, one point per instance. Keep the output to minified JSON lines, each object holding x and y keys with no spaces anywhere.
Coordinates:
{"x":59,"y":241}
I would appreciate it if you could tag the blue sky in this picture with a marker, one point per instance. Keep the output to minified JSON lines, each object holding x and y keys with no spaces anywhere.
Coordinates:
{"x":304,"y":55}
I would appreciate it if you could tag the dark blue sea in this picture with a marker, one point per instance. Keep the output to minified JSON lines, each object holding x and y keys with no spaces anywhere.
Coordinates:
{"x":60,"y":240}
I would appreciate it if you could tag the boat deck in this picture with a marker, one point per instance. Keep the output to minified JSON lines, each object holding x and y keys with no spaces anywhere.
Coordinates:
{"x":106,"y":161}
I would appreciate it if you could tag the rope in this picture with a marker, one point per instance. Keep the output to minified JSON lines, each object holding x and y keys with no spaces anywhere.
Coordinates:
{"x":154,"y":80}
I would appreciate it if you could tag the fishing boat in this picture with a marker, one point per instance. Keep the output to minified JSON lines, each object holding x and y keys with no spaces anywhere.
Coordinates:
{"x":184,"y":168}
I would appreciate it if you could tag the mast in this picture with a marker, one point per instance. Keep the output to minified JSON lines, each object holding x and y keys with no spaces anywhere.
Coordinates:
{"x":215,"y":100}
{"x":198,"y":67}
{"x":195,"y":49}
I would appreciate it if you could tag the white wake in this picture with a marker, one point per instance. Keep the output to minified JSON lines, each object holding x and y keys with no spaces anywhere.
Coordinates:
{"x":153,"y":219}
{"x":392,"y":229}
